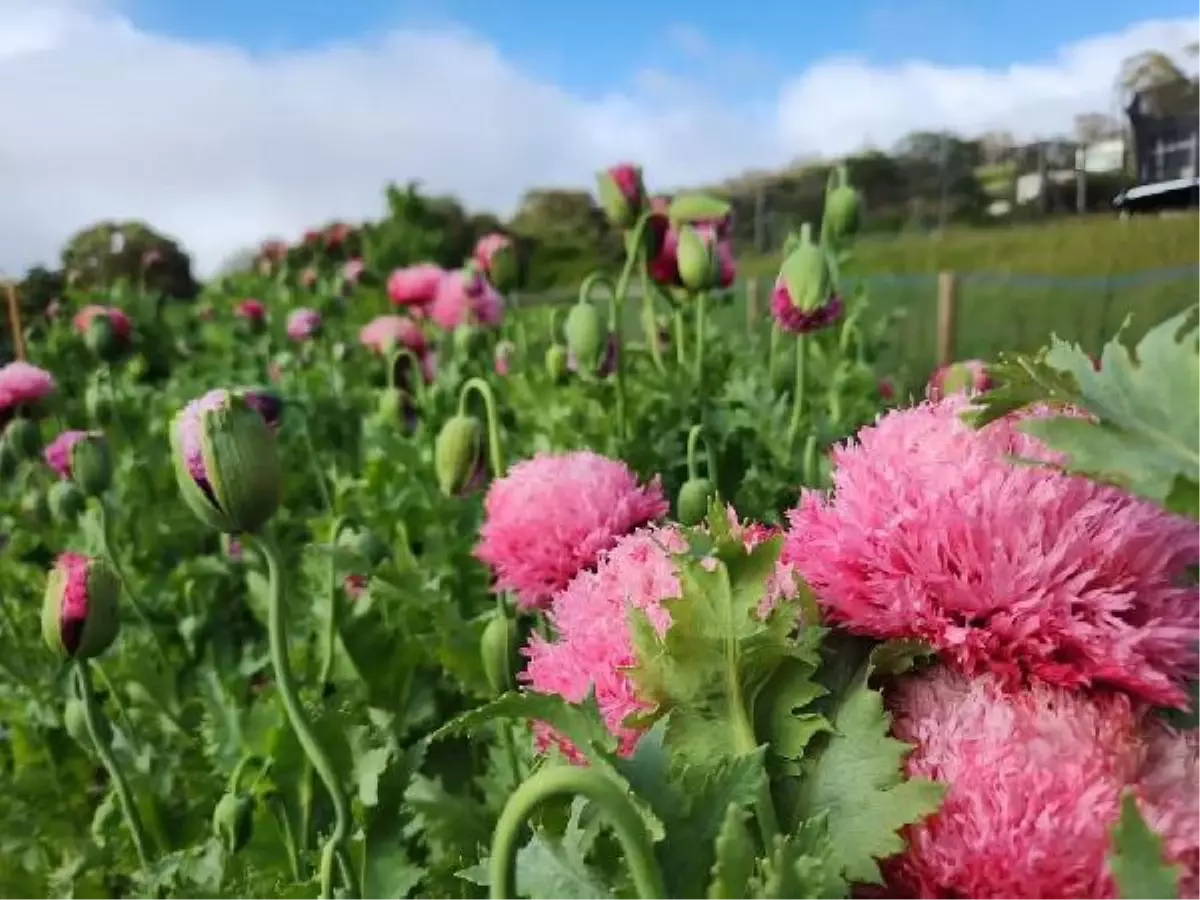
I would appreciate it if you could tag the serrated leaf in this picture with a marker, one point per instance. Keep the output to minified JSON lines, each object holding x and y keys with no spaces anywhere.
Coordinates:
{"x":580,"y":723}
{"x":736,"y":857}
{"x":1137,"y":860}
{"x":853,"y":777}
{"x":549,"y":867}
{"x":802,"y":864}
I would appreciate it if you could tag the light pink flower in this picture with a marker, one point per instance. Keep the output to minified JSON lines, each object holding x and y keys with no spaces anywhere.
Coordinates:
{"x":303,"y":324}
{"x":503,"y":357}
{"x":1034,"y":781}
{"x":385,"y":333}
{"x":117,"y":319}
{"x":487,"y":247}
{"x":308,"y":277}
{"x":932,"y":533}
{"x":593,"y":649}
{"x":466,"y":297}
{"x":23,"y":384}
{"x":553,"y":515}
{"x":57,"y":453}
{"x":352,"y":270}
{"x":415,"y":285}
{"x":253,"y":311}
{"x":970,"y":376}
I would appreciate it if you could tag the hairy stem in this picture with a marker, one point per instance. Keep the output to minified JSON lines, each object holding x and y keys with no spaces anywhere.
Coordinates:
{"x":484,"y":390}
{"x":797,"y":392}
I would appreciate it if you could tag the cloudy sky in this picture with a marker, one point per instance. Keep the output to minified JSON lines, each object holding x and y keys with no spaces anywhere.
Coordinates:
{"x":226,"y":121}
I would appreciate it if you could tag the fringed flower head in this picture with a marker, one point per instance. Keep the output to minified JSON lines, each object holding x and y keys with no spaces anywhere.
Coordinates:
{"x":465,"y":297}
{"x":551,"y":516}
{"x":1034,"y":782}
{"x":931,"y":532}
{"x":415,"y":286}
{"x":23,"y":385}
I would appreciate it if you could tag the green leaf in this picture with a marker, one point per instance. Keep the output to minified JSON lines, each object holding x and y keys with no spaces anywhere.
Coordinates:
{"x":1137,"y":861}
{"x":802,"y":864}
{"x":713,"y":661}
{"x":1146,"y":437}
{"x":697,"y":208}
{"x":854,"y":776}
{"x":549,"y":867}
{"x":736,"y":857}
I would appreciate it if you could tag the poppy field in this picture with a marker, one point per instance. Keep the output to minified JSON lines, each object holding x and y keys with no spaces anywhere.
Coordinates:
{"x":342,"y":582}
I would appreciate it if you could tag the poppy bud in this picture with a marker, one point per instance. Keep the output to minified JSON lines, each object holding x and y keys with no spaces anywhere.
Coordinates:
{"x":803,"y":299}
{"x":696,"y":257}
{"x":233,"y":821}
{"x":697,"y":208}
{"x":457,"y":453}
{"x":556,"y":362}
{"x":503,"y":356}
{"x":66,"y":501}
{"x":843,"y":208}
{"x":91,"y":464}
{"x":23,"y":438}
{"x":267,"y":404}
{"x":585,"y":334}
{"x":79,"y":608}
{"x":497,"y":258}
{"x":694,"y":497}
{"x":75,"y":722}
{"x":968,"y":376}
{"x":498,"y":650}
{"x":226,"y":462}
{"x":622,"y":194}
{"x":101,"y":338}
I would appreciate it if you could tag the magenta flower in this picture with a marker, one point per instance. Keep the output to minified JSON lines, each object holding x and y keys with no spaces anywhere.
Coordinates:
{"x":23,"y":384}
{"x":1034,"y":782}
{"x":79,"y":609}
{"x":466,"y":297}
{"x":793,"y":319}
{"x":57,"y":453}
{"x":593,"y":649}
{"x":415,"y":286}
{"x":628,"y":179}
{"x":253,"y":311}
{"x":932,"y":533}
{"x":553,"y":515}
{"x":969,"y":376}
{"x":117,"y":319}
{"x":303,"y":324}
{"x":267,"y":404}
{"x":384,"y":333}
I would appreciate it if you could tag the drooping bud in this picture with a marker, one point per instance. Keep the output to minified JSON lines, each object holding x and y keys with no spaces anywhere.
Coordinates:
{"x":66,"y":501}
{"x":622,"y":194}
{"x":696,"y":257}
{"x":498,"y":651}
{"x":694,"y":497}
{"x":226,"y":462}
{"x":75,"y":722}
{"x":23,"y":437}
{"x":843,"y":208}
{"x":79,"y":608}
{"x":233,"y":821}
{"x":585,"y":333}
{"x":457,"y":453}
{"x":556,"y":362}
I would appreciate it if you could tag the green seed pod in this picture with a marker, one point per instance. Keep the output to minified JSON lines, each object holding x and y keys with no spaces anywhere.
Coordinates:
{"x":556,"y":362}
{"x":843,"y":209}
{"x":10,"y":461}
{"x":91,"y":464}
{"x":226,"y":463}
{"x":498,"y":650}
{"x":75,"y":721}
{"x":694,"y":497}
{"x":98,"y":402}
{"x":697,"y":259}
{"x":585,"y":334}
{"x":233,"y":821}
{"x":456,"y":453}
{"x":805,"y":273}
{"x":66,"y":501}
{"x":23,"y":436}
{"x":372,"y":550}
{"x":79,"y":609}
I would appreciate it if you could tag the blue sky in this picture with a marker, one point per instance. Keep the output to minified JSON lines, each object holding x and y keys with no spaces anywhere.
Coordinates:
{"x":588,"y":47}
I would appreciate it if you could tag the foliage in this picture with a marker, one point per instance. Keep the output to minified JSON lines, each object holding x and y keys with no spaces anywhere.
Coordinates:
{"x":108,"y":253}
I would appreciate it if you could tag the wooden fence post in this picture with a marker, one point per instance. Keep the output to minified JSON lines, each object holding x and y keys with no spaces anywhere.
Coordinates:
{"x":14,"y":321}
{"x":947,"y":298}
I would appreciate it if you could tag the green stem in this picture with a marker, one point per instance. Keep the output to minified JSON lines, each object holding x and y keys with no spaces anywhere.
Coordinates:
{"x":506,"y":728}
{"x":106,"y":550}
{"x":616,"y":318}
{"x":92,"y":717}
{"x":746,"y":743}
{"x":567,"y":781}
{"x":808,"y":466}
{"x":484,"y":390}
{"x":331,"y":626}
{"x":678,"y":322}
{"x":701,"y":323}
{"x":650,"y":319}
{"x":335,"y":846}
{"x":693,"y":444}
{"x":773,"y":349}
{"x":122,"y":712}
{"x":418,"y":374}
{"x":797,"y":392}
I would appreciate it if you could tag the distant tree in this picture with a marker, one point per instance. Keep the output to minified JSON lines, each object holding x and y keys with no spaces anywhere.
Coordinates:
{"x":108,"y":252}
{"x":1164,"y":87}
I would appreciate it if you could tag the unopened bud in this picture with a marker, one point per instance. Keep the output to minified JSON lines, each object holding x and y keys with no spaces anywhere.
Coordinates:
{"x":79,"y":609}
{"x":91,"y":464}
{"x":23,"y":438}
{"x":498,"y":651}
{"x":585,"y":334}
{"x":457,"y":452}
{"x":694,"y":497}
{"x":696,"y":257}
{"x":622,"y":194}
{"x":66,"y":501}
{"x":843,"y":208}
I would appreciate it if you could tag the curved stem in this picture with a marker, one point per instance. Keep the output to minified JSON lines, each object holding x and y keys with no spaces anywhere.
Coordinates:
{"x":567,"y":781}
{"x":798,"y":391}
{"x":701,"y":323}
{"x":693,"y":443}
{"x":484,"y":390}
{"x":417,"y":389}
{"x":616,"y":315}
{"x":277,"y":627}
{"x":106,"y":550}
{"x":587,"y":290}
{"x":122,"y":712}
{"x":235,"y":779}
{"x":506,"y":728}
{"x":92,"y":718}
{"x":808,"y":466}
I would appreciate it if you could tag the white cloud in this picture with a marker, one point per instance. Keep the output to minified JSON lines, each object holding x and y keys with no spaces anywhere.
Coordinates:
{"x":221,"y":148}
